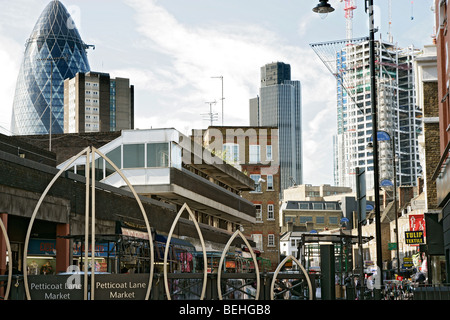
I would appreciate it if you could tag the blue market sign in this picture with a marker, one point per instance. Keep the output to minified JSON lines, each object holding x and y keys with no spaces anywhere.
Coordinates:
{"x":386,"y":183}
{"x":382,"y":136}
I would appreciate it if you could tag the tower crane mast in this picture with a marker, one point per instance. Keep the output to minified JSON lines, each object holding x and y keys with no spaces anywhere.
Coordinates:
{"x":349,"y":6}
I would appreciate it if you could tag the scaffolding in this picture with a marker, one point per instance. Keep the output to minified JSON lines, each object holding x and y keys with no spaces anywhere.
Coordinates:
{"x":348,"y":61}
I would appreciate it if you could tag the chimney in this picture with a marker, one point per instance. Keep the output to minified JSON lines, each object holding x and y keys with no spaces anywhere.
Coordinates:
{"x":405,"y":194}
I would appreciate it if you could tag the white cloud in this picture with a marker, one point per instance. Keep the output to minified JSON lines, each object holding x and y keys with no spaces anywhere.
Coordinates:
{"x":10,"y":55}
{"x":237,"y":53}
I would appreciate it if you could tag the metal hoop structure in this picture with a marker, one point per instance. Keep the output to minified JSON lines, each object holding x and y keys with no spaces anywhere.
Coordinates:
{"x":277,"y":271}
{"x":8,"y":247}
{"x":89,"y":154}
{"x":222,"y":258}
{"x":166,"y":251}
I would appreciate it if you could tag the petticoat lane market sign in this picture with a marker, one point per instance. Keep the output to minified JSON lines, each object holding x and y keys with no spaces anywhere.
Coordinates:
{"x":107,"y":287}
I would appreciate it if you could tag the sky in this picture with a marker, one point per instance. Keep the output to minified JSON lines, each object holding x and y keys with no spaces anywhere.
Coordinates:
{"x":172,"y":50}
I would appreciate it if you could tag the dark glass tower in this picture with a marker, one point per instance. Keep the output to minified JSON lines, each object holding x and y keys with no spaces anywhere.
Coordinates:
{"x":279,"y":105}
{"x":53,"y":52}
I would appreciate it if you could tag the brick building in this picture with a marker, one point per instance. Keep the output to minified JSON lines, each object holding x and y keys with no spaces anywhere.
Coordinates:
{"x":254,"y":151}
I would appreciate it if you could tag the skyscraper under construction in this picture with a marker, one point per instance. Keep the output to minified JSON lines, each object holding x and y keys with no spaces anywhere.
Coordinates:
{"x":399,"y":118}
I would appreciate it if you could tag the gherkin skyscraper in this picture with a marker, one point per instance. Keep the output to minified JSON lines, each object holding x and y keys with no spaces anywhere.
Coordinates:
{"x":53,"y":52}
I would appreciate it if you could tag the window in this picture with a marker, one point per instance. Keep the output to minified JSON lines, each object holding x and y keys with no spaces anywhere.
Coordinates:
{"x":330,"y":206}
{"x":270,"y":213}
{"x":269,"y":153}
{"x":305,"y":219}
{"x":304,"y":206}
{"x":116,"y":157}
{"x":271,"y":240}
{"x":133,"y":156}
{"x":258,"y":238}
{"x":289,"y":219}
{"x":269,"y":182}
{"x":318,"y":206}
{"x":157,"y":155}
{"x":258,"y":213}
{"x":231,"y":152}
{"x":333,"y":220}
{"x":256,"y":178}
{"x":320,"y":220}
{"x":254,"y":154}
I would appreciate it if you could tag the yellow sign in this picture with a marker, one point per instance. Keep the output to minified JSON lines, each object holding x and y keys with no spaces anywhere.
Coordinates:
{"x":414,"y":237}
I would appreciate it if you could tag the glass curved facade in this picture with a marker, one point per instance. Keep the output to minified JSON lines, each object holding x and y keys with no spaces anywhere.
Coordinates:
{"x":53,"y":52}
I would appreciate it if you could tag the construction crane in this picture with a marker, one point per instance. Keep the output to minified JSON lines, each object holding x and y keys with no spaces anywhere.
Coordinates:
{"x":349,"y":6}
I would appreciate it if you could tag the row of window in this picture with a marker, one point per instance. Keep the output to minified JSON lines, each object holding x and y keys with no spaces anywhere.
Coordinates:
{"x":257,"y":178}
{"x":270,"y":212}
{"x":305,"y":219}
{"x":150,"y":155}
{"x":317,"y":206}
{"x":258,"y":238}
{"x":231,"y":152}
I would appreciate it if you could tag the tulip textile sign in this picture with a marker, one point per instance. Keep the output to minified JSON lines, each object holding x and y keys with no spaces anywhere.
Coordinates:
{"x":414,"y":237}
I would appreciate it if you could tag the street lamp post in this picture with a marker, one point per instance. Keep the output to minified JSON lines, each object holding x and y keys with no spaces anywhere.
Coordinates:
{"x":386,"y":136}
{"x":324,"y":7}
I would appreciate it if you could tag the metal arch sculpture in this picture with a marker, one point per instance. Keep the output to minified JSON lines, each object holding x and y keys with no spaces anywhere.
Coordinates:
{"x":277,"y":271}
{"x":33,"y":216}
{"x":8,"y":247}
{"x":147,"y":224}
{"x":222,"y":258}
{"x":87,"y":152}
{"x":166,"y":251}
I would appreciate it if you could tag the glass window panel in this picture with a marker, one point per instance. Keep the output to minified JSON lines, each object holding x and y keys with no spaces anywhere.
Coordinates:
{"x":269,"y":182}
{"x":116,"y":158}
{"x":270,"y":213}
{"x":333,"y":220}
{"x":330,"y":206}
{"x":258,"y":212}
{"x":303,"y":205}
{"x":256,"y":178}
{"x":304,"y":219}
{"x":133,"y":156}
{"x":157,"y":155}
{"x":255,"y":154}
{"x":269,"y":153}
{"x":317,"y":206}
{"x":99,"y":169}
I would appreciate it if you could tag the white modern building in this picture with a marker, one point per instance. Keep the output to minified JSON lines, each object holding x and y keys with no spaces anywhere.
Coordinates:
{"x":167,"y":166}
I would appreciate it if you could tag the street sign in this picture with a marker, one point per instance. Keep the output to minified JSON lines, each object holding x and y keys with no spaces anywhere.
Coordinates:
{"x":382,"y":136}
{"x":414,"y":237}
{"x":392,"y":245}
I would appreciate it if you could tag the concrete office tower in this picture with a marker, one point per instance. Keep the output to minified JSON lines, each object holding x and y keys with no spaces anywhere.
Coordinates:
{"x":398,"y":115}
{"x":279,"y":105}
{"x":53,"y":53}
{"x":95,"y":102}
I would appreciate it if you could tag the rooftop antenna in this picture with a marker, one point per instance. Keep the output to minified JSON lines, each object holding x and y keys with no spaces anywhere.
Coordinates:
{"x":210,"y":115}
{"x":221,"y":78}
